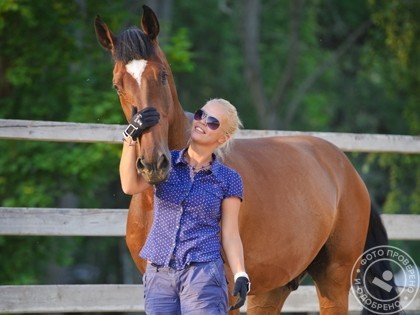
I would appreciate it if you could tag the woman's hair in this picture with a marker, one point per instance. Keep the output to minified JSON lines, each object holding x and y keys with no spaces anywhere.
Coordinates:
{"x":234,"y":123}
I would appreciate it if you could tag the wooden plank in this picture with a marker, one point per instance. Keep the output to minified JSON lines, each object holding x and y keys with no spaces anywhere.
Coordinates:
{"x":111,"y":222}
{"x":127,"y":298}
{"x":62,"y":222}
{"x":59,"y":131}
{"x":402,"y":226}
{"x":304,"y":299}
{"x":71,"y":298}
{"x":349,"y":142}
{"x":83,"y":132}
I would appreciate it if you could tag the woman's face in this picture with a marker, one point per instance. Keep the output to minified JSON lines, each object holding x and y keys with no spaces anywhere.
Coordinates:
{"x":202,"y":130}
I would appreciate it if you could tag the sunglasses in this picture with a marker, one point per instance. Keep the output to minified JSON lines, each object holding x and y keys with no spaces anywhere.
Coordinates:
{"x":211,"y":122}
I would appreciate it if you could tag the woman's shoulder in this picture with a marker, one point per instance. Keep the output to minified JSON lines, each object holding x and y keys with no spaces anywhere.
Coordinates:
{"x":227,"y":171}
{"x":230,"y":180}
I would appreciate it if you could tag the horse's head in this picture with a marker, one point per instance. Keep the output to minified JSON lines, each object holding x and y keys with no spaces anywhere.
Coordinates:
{"x":142,"y":78}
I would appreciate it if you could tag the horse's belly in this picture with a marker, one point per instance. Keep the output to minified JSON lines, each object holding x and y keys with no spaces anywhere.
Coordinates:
{"x":281,"y":241}
{"x":290,"y":204}
{"x":285,"y":226}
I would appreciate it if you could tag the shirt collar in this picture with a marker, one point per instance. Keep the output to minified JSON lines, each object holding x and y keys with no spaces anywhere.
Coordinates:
{"x":180,"y":159}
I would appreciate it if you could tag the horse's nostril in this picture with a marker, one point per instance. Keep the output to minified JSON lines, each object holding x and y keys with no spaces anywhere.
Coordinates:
{"x":139,"y":164}
{"x":163,"y":162}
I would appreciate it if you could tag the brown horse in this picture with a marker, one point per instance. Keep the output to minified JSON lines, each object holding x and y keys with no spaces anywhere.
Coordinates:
{"x":305,"y":208}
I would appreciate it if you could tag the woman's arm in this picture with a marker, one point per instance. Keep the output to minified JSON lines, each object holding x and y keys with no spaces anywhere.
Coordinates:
{"x":232,"y":245}
{"x":231,"y":240}
{"x":131,"y":182}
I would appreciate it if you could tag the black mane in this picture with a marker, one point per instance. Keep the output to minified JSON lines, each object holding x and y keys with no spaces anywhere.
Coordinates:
{"x":132,"y":44}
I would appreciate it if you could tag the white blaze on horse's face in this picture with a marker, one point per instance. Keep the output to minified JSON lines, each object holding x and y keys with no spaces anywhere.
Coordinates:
{"x":136,"y":68}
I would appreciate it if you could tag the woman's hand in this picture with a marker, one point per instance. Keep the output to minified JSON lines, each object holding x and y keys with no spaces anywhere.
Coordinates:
{"x":140,"y":121}
{"x":242,"y":287}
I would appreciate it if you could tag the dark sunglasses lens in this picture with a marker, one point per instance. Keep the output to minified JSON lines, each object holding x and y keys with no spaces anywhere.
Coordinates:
{"x":212,"y":123}
{"x":198,"y":115}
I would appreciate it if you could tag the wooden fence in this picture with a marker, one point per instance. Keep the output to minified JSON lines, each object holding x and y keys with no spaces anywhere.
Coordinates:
{"x":81,"y":132}
{"x":111,"y":222}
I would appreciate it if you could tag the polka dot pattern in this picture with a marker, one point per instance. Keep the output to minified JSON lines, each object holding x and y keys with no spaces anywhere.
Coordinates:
{"x":187,"y":213}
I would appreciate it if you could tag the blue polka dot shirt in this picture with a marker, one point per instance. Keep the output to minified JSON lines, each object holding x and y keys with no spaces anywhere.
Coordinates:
{"x":187,"y":213}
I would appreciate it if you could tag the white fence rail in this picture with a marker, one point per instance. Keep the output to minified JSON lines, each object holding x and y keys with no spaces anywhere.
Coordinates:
{"x":111,"y":222}
{"x":129,"y":298}
{"x":80,"y":132}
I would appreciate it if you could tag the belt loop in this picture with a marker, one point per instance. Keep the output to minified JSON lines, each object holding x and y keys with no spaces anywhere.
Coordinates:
{"x":156,"y":266}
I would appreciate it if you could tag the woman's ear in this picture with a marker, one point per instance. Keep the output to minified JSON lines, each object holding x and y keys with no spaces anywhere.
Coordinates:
{"x":224,"y":138}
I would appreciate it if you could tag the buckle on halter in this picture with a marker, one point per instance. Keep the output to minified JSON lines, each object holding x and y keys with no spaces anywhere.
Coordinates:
{"x":130,"y":130}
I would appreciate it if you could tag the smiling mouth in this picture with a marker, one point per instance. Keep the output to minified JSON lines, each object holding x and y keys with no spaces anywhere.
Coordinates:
{"x":199,"y":129}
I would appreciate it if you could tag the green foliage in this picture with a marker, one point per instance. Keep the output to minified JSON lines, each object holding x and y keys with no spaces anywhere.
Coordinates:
{"x":178,"y":51}
{"x":398,"y":20}
{"x":23,"y":258}
{"x":404,"y":181}
{"x":42,"y":173}
{"x":215,"y":53}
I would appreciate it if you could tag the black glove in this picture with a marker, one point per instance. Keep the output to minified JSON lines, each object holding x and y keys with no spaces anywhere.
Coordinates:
{"x":140,"y":121}
{"x":242,"y":286}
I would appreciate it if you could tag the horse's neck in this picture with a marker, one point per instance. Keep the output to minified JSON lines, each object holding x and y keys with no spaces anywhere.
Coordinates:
{"x":179,"y":130}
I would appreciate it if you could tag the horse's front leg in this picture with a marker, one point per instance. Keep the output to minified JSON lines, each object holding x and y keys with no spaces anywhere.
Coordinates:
{"x":139,"y":222}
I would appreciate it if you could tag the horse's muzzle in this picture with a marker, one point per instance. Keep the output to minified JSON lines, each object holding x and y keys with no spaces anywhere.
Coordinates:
{"x":154,"y":172}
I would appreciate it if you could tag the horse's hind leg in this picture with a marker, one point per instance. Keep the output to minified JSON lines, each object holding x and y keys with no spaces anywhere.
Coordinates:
{"x":332,"y":268}
{"x":333,"y":285}
{"x":267,"y":303}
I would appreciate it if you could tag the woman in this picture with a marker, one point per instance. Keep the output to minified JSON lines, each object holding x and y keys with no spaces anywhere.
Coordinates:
{"x":194,"y":209}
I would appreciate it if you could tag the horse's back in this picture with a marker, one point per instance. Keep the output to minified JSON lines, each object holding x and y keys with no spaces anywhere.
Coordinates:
{"x":293,"y":187}
{"x":302,"y":165}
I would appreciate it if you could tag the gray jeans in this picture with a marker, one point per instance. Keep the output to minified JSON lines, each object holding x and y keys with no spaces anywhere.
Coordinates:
{"x":200,"y":288}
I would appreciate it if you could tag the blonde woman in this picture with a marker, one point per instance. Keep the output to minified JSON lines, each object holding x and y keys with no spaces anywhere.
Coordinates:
{"x":196,"y":207}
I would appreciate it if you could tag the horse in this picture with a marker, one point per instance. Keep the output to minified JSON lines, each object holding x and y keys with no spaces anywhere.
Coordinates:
{"x":305,"y":211}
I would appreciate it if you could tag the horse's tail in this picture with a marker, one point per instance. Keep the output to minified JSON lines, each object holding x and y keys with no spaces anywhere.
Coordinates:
{"x":377,"y":236}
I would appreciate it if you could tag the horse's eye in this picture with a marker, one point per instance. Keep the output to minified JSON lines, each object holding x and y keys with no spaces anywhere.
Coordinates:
{"x":116,"y":88}
{"x":164,"y":76}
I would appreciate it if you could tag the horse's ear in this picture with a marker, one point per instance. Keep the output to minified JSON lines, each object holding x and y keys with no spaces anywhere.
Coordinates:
{"x":150,"y":23}
{"x":104,"y":35}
